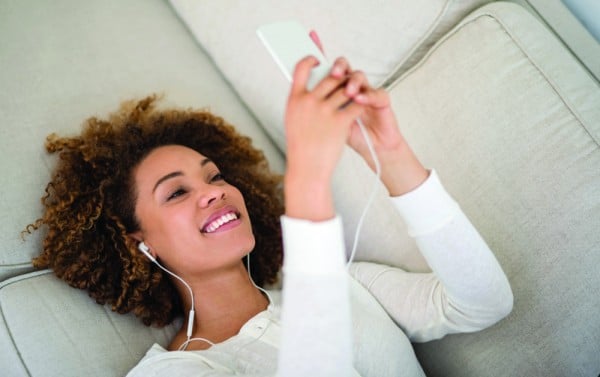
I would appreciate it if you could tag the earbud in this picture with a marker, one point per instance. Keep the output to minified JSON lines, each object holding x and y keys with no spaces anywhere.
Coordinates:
{"x":146,"y":250}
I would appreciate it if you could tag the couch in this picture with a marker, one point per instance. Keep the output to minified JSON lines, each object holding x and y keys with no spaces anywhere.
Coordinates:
{"x":485,"y":93}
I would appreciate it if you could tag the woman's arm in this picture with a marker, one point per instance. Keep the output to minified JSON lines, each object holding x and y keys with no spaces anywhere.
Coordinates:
{"x":316,"y":326}
{"x":401,"y":171}
{"x":467,"y":290}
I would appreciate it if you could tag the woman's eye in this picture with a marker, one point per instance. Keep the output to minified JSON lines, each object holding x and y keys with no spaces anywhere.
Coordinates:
{"x":176,"y":194}
{"x":218,"y":177}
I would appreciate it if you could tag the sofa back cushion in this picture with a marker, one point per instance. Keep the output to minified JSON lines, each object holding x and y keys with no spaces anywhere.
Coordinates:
{"x":383,"y":39}
{"x":511,"y":122}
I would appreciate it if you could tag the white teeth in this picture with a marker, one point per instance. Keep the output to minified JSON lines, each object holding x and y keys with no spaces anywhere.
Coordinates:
{"x":216,"y":224}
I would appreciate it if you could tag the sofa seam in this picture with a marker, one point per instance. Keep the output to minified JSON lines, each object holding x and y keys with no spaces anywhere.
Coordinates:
{"x":12,"y":340}
{"x":25,"y":276}
{"x":416,"y":46}
{"x":552,"y":83}
{"x":16,"y":265}
{"x":517,"y":43}
{"x":4,"y":284}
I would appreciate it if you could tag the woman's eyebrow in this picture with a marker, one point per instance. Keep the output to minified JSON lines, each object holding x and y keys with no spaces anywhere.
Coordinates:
{"x":166,"y":177}
{"x":205,"y":161}
{"x":174,"y":174}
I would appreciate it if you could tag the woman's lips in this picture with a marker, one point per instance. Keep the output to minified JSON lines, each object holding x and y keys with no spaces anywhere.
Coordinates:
{"x":226,"y":218}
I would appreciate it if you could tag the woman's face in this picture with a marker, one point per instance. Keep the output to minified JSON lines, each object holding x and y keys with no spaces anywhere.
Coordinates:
{"x":189,"y":216}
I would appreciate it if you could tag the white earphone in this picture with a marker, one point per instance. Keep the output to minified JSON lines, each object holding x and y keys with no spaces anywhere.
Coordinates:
{"x":146,"y":250}
{"x":191,"y":315}
{"x":190,"y":325}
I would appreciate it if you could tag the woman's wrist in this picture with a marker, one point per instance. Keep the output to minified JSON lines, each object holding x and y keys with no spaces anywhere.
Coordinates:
{"x":307,"y":198}
{"x":401,"y":170}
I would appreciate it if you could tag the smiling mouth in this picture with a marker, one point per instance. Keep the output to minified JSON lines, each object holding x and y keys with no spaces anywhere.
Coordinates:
{"x":217,"y":223}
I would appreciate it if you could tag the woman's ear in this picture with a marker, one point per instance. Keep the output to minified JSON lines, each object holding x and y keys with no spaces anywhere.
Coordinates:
{"x":141,"y":245}
{"x":136,"y":236}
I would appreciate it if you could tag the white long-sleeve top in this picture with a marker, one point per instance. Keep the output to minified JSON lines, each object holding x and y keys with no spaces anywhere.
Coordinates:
{"x":327,"y":322}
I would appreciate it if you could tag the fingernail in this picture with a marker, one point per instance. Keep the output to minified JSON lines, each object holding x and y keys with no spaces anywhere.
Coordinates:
{"x":352,"y":88}
{"x":337,"y":70}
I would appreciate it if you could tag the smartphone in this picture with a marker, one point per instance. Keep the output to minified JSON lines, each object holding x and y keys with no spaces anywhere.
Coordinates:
{"x":288,"y":42}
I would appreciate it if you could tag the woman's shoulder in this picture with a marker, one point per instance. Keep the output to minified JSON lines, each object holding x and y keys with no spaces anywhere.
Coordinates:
{"x":145,"y":367}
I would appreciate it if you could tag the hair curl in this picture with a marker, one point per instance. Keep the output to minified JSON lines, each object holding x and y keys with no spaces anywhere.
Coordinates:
{"x":89,"y":204}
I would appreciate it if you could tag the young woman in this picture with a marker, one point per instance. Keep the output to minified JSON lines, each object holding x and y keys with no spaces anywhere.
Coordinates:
{"x":172,"y":214}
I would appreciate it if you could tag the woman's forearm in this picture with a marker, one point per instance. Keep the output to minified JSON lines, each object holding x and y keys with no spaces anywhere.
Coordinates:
{"x":401,"y":170}
{"x":307,"y":198}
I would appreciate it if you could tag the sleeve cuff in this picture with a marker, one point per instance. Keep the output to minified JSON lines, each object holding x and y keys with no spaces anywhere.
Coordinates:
{"x":427,"y":208}
{"x":313,"y":247}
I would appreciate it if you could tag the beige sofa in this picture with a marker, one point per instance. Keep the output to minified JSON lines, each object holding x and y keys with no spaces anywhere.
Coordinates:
{"x":485,"y":93}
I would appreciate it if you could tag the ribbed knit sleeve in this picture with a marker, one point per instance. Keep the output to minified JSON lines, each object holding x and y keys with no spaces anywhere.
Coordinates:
{"x":467,"y":290}
{"x":316,"y":324}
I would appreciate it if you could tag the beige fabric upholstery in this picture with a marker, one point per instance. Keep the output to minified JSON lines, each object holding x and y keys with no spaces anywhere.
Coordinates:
{"x":512,"y":124}
{"x":56,"y":330}
{"x":378,"y":37}
{"x":65,"y":61}
{"x":498,"y":107}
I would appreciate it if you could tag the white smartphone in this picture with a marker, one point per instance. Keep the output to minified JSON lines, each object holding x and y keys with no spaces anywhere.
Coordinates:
{"x":288,"y":42}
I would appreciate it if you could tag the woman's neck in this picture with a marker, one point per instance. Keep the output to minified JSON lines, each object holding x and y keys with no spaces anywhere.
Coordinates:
{"x":223,"y":303}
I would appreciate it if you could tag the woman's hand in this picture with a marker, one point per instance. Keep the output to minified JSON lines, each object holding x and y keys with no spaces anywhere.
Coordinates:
{"x":318,"y":124}
{"x":401,"y":171}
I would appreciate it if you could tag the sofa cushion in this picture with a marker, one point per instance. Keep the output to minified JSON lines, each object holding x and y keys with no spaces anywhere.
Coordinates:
{"x":65,"y":61}
{"x":511,"y":122}
{"x":59,"y":331}
{"x":382,"y":40}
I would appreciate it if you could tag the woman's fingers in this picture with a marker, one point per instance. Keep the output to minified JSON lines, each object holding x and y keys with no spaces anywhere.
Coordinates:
{"x":339,"y":89}
{"x":357,"y":86}
{"x":376,"y":98}
{"x":302,"y":74}
{"x":357,"y":83}
{"x":340,"y":68}
{"x":339,"y":100}
{"x":350,"y":112}
{"x":339,"y":75}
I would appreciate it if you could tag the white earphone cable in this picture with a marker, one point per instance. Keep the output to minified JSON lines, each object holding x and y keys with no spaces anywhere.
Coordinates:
{"x":252,"y":280}
{"x":265,"y":328}
{"x":373,"y":189}
{"x":192,"y":313}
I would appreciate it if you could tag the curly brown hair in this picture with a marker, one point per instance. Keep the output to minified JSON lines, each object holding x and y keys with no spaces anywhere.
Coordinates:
{"x":89,"y":204}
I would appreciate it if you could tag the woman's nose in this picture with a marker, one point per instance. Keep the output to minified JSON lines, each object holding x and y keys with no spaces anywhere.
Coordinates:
{"x":211,"y":196}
